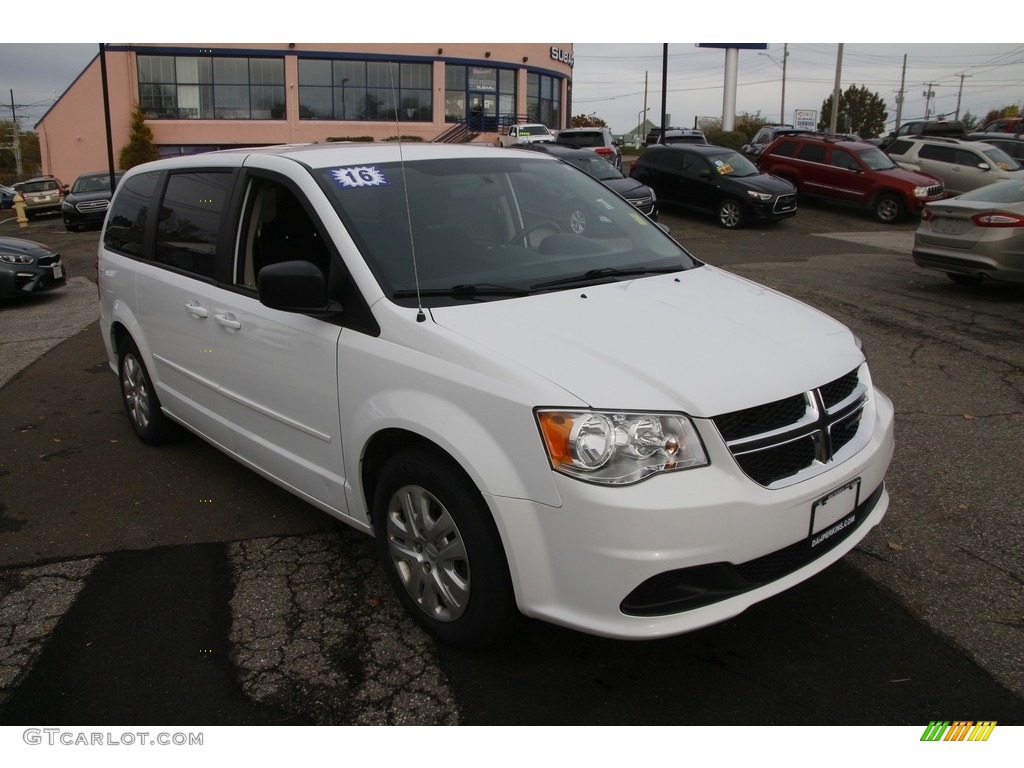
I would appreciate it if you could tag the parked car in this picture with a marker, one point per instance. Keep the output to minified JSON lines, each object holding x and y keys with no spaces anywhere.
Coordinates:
{"x":715,"y":180}
{"x":43,"y":194}
{"x":86,"y":204}
{"x":525,"y":133}
{"x":654,"y":135}
{"x":683,"y":136}
{"x":961,"y":165}
{"x":6,"y":196}
{"x":1011,"y":143}
{"x":600,"y":140}
{"x":947,"y":128}
{"x":976,"y":236}
{"x":1004,"y":125}
{"x":28,"y":267}
{"x":766,"y":134}
{"x":639,"y":195}
{"x":853,"y":173}
{"x":587,"y":426}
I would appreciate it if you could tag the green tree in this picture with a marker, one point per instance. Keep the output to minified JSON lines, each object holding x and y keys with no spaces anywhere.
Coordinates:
{"x":587,"y":121}
{"x":140,"y":147}
{"x":749,"y":124}
{"x":971,"y":122}
{"x":860,"y":111}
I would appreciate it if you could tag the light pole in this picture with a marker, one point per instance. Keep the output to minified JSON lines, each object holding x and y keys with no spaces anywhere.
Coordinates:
{"x":640,"y":114}
{"x":785,"y":55}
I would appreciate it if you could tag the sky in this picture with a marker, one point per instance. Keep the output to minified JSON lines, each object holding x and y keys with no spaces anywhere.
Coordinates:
{"x":608,"y":78}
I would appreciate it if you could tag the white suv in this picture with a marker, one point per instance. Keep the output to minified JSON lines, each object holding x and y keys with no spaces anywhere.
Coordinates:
{"x":961,"y":165}
{"x":534,"y":398}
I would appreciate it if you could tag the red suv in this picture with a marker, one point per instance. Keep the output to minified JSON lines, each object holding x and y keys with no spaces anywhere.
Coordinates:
{"x":850,"y":172}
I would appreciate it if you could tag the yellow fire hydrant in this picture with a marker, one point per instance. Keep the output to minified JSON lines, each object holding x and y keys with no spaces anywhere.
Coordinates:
{"x":19,"y":209}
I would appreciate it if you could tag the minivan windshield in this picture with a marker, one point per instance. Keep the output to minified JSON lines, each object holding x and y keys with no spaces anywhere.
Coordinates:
{"x":482,"y":228}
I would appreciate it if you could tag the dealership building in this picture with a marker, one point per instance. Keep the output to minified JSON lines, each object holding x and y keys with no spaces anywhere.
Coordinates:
{"x":200,"y":98}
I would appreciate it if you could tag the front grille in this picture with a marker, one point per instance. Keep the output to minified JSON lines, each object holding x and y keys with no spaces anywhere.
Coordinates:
{"x":644,"y":204}
{"x":92,"y":206}
{"x":935,"y":190}
{"x":48,"y":261}
{"x":785,"y":203}
{"x":785,"y":441}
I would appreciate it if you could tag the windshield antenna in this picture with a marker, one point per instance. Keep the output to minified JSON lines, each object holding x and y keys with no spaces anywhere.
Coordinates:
{"x":420,"y":315}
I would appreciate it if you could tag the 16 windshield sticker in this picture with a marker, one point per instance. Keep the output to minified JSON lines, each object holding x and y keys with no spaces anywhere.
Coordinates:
{"x":360,"y":176}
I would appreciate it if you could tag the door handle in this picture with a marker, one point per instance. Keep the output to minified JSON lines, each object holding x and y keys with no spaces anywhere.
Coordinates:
{"x":197,"y":310}
{"x":227,"y":321}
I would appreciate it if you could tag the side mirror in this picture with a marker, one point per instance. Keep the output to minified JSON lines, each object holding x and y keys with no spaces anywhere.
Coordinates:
{"x":293,"y":286}
{"x":985,"y":166}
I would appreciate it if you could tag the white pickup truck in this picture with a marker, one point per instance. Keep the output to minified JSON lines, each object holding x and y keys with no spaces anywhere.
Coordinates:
{"x":525,"y":133}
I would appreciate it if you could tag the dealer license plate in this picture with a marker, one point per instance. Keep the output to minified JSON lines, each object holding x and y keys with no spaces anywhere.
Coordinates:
{"x":834,"y":511}
{"x":58,"y":272}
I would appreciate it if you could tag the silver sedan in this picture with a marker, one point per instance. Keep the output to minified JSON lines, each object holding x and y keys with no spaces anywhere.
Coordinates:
{"x":976,"y":236}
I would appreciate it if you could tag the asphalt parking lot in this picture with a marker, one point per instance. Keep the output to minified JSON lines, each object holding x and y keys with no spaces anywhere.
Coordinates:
{"x":171,"y":585}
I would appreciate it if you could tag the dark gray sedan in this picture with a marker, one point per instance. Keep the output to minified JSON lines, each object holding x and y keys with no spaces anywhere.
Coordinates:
{"x":27,"y":267}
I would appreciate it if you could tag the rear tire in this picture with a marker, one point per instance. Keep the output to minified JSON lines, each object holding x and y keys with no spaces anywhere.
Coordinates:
{"x":889,"y":209}
{"x":441,"y":550}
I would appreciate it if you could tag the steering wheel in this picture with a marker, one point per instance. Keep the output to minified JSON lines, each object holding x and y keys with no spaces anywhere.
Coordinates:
{"x":525,"y":232}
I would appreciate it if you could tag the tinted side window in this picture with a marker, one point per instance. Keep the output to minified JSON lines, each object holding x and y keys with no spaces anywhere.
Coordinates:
{"x":785,"y":149}
{"x":843,"y":159}
{"x":190,"y":221}
{"x":814,"y":153}
{"x":936,"y":152}
{"x":900,"y":147}
{"x":126,"y":226}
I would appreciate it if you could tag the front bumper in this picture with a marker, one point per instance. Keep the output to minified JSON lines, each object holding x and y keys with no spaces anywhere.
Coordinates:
{"x":590,"y":563}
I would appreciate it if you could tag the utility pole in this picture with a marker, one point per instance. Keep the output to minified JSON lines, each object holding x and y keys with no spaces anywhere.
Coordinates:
{"x":16,"y":146}
{"x":782,"y":108}
{"x":834,"y":121}
{"x":928,"y":94}
{"x":899,"y":96}
{"x":959,"y":94}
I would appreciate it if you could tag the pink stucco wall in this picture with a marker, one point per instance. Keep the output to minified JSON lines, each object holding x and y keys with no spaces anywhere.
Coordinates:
{"x":72,"y":135}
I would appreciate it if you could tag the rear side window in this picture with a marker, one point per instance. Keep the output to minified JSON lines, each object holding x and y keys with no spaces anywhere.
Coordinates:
{"x":813,"y":153}
{"x":190,"y":221}
{"x":937,"y":152}
{"x":126,"y":224}
{"x":784,"y":149}
{"x":900,"y":147}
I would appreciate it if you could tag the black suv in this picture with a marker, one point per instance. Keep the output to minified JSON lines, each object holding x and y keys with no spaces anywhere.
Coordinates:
{"x":715,"y":180}
{"x":766,"y":134}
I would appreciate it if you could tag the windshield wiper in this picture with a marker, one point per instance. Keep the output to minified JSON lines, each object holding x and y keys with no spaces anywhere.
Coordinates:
{"x":607,"y":272}
{"x":464,"y":291}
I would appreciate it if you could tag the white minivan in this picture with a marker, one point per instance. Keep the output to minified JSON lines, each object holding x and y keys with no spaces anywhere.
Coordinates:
{"x":533,"y":397}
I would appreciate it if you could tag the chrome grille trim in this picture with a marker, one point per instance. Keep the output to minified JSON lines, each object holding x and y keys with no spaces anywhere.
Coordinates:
{"x":830,"y":430}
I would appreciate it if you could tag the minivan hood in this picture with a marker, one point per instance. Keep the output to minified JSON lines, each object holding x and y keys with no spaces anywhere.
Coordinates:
{"x":702,"y":341}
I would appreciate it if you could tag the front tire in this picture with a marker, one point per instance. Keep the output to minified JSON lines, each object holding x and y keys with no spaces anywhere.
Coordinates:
{"x":730,"y":214}
{"x":441,"y":551}
{"x":139,"y":397}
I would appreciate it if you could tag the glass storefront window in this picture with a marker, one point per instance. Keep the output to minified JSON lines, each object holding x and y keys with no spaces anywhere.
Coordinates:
{"x":211,"y":87}
{"x":365,"y":90}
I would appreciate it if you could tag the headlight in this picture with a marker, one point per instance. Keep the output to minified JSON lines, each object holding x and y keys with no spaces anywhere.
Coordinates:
{"x":921,"y":191}
{"x":16,"y":258}
{"x":764,"y":197}
{"x":66,"y":206}
{"x":618,"y":447}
